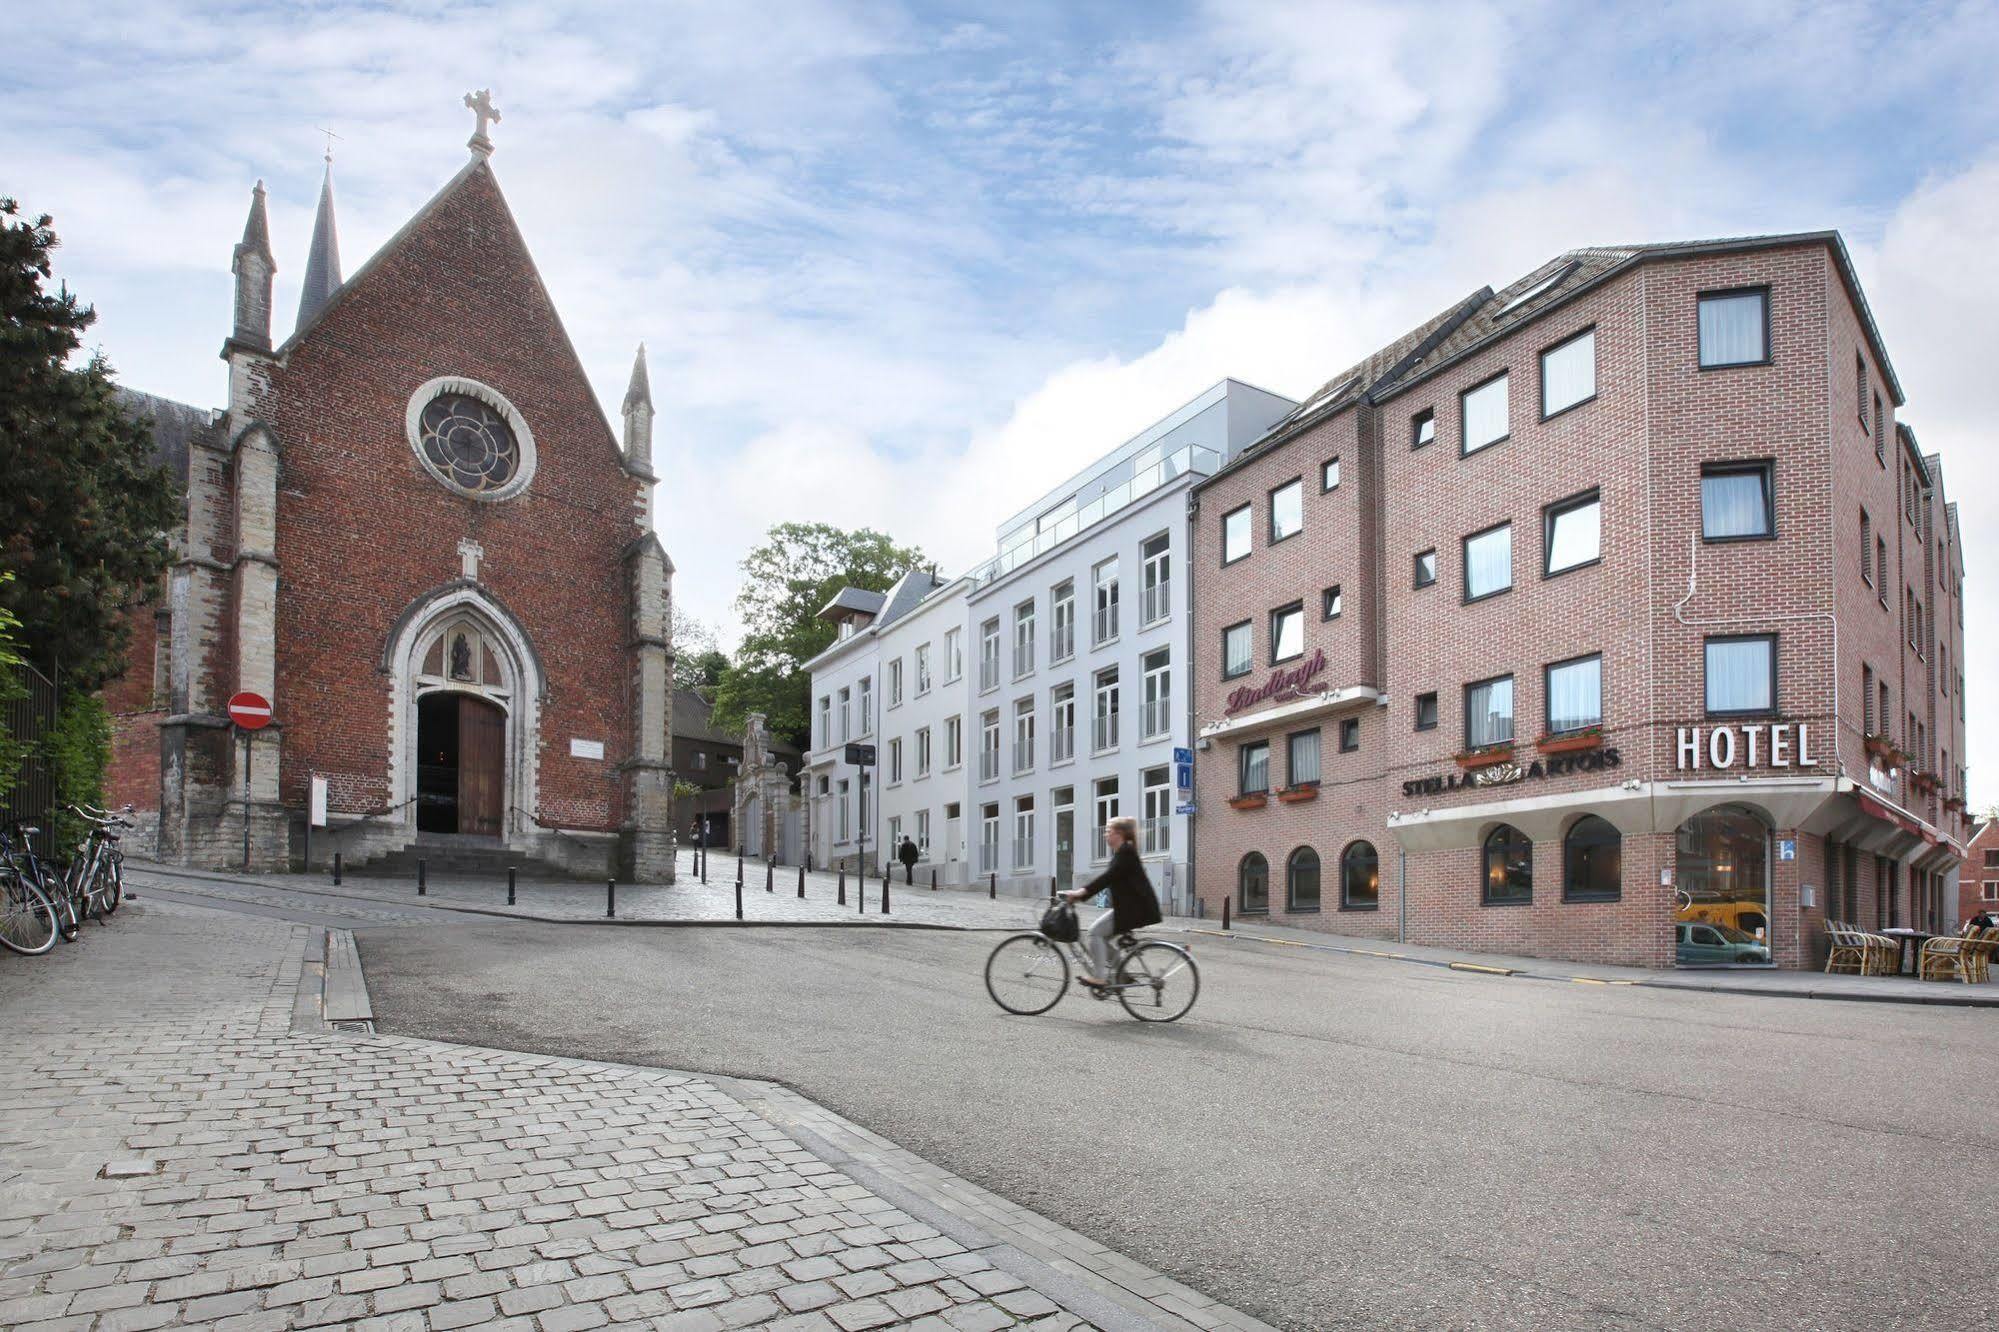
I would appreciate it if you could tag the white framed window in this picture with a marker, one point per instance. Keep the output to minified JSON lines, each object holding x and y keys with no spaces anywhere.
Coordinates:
{"x":1568,"y":373}
{"x":1023,"y":735}
{"x":923,"y":668}
{"x":1155,"y":579}
{"x":1106,"y":736}
{"x":825,"y":720}
{"x":954,"y":656}
{"x":989,"y":655}
{"x":1105,"y":800}
{"x":923,"y":751}
{"x":1062,"y":724}
{"x":1155,"y":828}
{"x":894,"y":684}
{"x":1156,"y":717}
{"x":1023,"y":639}
{"x":1482,"y":413}
{"x":989,"y":745}
{"x":844,"y":823}
{"x":846,"y":718}
{"x":895,"y":761}
{"x":867,"y":707}
{"x":954,"y":742}
{"x":1062,"y":621}
{"x":923,"y":832}
{"x":1023,"y":832}
{"x":1104,"y":579}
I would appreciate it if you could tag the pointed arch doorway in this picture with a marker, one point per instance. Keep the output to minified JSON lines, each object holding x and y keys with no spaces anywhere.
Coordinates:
{"x":461,"y":776}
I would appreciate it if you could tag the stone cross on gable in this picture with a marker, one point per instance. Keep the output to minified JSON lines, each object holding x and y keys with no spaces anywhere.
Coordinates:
{"x":469,"y":553}
{"x":481,"y":105}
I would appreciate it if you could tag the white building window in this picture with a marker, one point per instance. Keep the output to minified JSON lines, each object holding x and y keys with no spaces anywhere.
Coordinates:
{"x":1106,"y":736}
{"x":954,"y":741}
{"x":989,"y":746}
{"x":1106,"y":801}
{"x":1156,"y":580}
{"x":923,"y":668}
{"x":1062,"y":725}
{"x":1573,"y":535}
{"x":1023,"y":639}
{"x":894,"y":684}
{"x":1104,"y":579}
{"x":1483,"y":415}
{"x":954,"y":656}
{"x":1155,"y":829}
{"x":1023,"y":735}
{"x":1023,"y":832}
{"x":1287,"y":511}
{"x":923,"y":751}
{"x":1568,"y":374}
{"x":1156,"y":718}
{"x":1489,"y":562}
{"x":1062,"y":622}
{"x":989,"y":655}
{"x":895,"y":761}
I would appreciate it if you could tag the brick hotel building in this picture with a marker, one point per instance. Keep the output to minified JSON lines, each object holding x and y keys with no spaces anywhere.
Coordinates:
{"x":1612,"y":616}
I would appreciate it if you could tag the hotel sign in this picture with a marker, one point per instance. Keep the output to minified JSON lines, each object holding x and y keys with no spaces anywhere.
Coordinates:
{"x":1753,"y":744}
{"x":1281,"y":687}
{"x":1505,"y":774}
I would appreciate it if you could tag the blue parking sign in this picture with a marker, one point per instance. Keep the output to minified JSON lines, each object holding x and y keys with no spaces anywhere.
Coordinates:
{"x":1787,"y":848}
{"x":1183,"y":755}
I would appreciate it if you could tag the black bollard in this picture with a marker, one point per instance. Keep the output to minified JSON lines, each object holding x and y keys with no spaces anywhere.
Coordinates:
{"x":610,"y":899}
{"x":770,"y":876}
{"x":884,"y":894}
{"x":992,"y":887}
{"x":739,"y":867}
{"x":861,"y":888}
{"x":843,"y":885}
{"x":336,"y":869}
{"x":933,"y":878}
{"x":801,"y":883}
{"x":1225,"y":913}
{"x":739,"y":899}
{"x":420,"y":890}
{"x":510,"y":885}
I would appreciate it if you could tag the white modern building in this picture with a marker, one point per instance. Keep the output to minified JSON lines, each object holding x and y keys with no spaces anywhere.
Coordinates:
{"x":1077,"y":635}
{"x":893,"y":678}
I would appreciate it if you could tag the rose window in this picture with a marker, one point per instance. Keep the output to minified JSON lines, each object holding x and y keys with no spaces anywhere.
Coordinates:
{"x":468,"y":443}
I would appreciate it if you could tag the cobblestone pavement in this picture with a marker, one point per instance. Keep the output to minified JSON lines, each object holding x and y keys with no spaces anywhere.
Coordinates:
{"x":689,"y":900}
{"x":174,"y":1154}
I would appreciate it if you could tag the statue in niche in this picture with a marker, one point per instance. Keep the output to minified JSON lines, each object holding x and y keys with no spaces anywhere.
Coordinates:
{"x":461,"y":657}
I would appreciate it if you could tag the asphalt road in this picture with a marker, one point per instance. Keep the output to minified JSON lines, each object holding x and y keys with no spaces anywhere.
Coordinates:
{"x":1334,"y":1141}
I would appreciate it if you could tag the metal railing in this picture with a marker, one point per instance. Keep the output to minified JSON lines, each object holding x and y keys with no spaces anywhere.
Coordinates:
{"x":1155,"y":603}
{"x":1155,"y":836}
{"x":1156,"y":717}
{"x":1061,"y":744}
{"x":1062,"y":642}
{"x":988,"y":857}
{"x":989,"y":673}
{"x":1106,"y":732}
{"x":1191,"y":458}
{"x":1023,"y":853}
{"x":1100,"y":849}
{"x":1023,"y":755}
{"x":988,"y":765}
{"x":1106,"y":624}
{"x":1023,"y":658}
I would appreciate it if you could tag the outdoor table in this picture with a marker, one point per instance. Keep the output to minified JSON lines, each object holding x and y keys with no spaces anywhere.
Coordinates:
{"x":1904,"y":937}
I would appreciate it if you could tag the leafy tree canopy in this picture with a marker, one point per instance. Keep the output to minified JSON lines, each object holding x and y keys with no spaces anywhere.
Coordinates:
{"x":698,"y":661}
{"x":85,"y":510}
{"x":786,"y":581}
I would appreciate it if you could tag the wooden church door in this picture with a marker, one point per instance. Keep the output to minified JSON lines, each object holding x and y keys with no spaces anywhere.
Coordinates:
{"x":482,"y":750}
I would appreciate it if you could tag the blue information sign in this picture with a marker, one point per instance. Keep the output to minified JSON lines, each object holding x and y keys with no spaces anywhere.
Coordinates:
{"x":1182,"y":754}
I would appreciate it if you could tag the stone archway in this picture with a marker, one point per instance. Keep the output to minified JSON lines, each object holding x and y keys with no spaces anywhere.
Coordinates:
{"x":464,"y":717}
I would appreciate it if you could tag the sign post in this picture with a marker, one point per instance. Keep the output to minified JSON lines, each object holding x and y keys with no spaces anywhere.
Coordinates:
{"x":250,"y":712}
{"x":863,"y":757}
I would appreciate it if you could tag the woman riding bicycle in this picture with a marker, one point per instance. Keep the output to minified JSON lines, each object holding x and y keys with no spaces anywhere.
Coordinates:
{"x":1133,"y":903}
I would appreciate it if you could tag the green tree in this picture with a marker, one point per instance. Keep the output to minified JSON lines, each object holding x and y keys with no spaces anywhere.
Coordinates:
{"x":12,"y":751}
{"x":698,"y":661}
{"x":85,"y":510}
{"x":786,"y":581}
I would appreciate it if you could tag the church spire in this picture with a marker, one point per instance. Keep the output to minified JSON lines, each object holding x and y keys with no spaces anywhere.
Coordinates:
{"x":322,"y":263}
{"x":254,"y":268}
{"x":638,"y":416}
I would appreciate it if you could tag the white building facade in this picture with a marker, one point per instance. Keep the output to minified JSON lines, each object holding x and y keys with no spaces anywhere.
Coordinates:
{"x":921,"y":753}
{"x":843,"y":712}
{"x":1077,"y":652}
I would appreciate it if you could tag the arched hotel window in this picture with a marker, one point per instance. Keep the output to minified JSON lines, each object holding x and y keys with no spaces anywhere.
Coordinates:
{"x":1301,"y":880}
{"x":1722,"y":869}
{"x":1592,"y":861}
{"x":1509,"y":867}
{"x":1253,"y":884}
{"x":1360,"y":878}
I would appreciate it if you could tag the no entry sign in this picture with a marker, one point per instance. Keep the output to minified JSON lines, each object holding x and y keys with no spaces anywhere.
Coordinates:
{"x":250,"y":711}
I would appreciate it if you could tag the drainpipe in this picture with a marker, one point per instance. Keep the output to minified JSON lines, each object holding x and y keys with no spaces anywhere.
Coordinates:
{"x":1190,"y":730}
{"x":1401,"y":892}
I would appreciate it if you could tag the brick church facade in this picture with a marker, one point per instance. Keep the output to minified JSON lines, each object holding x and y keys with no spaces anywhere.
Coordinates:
{"x":413,"y":529}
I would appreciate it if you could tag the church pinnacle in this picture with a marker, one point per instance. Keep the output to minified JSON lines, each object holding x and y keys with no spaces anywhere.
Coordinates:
{"x":481,"y":105}
{"x":322,"y":263}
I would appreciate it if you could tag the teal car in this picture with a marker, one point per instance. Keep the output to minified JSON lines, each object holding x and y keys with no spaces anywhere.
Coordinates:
{"x":1702,"y":942}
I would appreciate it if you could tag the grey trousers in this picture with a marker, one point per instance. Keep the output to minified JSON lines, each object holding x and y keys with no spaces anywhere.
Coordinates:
{"x":1097,"y":942}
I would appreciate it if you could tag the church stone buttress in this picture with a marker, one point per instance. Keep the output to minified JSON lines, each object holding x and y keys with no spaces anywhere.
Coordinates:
{"x":648,"y":851}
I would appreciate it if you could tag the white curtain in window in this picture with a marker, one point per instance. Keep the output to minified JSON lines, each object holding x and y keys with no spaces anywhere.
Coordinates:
{"x":1255,"y":768}
{"x":1738,"y":674}
{"x":1235,"y":650}
{"x":1575,"y":536}
{"x":1485,"y":415}
{"x":1489,"y":713}
{"x":1732,"y":329}
{"x":1304,"y":765}
{"x":1489,"y":562}
{"x":1287,"y":634}
{"x":1575,"y":695}
{"x":1568,"y":373}
{"x":1732,"y":505}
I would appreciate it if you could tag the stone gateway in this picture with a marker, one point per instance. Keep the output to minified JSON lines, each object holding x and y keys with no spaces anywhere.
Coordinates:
{"x":414,"y":530}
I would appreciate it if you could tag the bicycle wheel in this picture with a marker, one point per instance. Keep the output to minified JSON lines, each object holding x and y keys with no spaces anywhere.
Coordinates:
{"x":56,"y":888}
{"x":27,"y":919}
{"x":1158,"y":982}
{"x":114,"y":885}
{"x":1027,"y":974}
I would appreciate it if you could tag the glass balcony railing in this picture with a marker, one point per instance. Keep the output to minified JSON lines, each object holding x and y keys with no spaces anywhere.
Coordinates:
{"x":989,"y":765}
{"x":1190,"y":459}
{"x":1061,"y":744}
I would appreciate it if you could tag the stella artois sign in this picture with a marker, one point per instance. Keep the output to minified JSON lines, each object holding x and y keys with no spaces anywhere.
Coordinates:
{"x":1282,"y":686}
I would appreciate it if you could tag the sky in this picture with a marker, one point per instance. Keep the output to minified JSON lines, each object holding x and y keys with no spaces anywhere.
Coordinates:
{"x":907,"y":265}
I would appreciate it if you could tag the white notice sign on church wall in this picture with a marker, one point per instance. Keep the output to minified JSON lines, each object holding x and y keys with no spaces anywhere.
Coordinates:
{"x":590,"y":749}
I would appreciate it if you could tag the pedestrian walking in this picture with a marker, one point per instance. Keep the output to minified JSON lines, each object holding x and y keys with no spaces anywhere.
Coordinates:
{"x":907,"y":854}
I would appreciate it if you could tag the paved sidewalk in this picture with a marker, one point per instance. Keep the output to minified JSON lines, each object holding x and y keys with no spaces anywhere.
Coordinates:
{"x":175,"y":1154}
{"x":688,"y":901}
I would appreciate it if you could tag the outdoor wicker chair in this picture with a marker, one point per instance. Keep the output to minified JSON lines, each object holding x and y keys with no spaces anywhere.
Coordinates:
{"x":1848,"y":953}
{"x":1950,"y":957}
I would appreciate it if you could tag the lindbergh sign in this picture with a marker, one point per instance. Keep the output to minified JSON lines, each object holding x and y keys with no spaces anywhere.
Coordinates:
{"x":1280,"y":687}
{"x":1766,"y":744}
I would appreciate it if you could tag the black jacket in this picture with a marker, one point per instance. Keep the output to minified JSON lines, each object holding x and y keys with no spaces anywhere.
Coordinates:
{"x":1133,"y":903}
{"x":906,"y":853}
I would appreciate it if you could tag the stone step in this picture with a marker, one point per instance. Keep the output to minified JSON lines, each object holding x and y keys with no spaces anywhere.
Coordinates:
{"x":458,"y":857}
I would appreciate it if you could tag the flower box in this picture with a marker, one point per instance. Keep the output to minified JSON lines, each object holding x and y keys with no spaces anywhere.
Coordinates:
{"x":1252,"y":801}
{"x":1570,"y":741}
{"x":1880,"y":746}
{"x":1486,"y":757}
{"x":1298,"y":795}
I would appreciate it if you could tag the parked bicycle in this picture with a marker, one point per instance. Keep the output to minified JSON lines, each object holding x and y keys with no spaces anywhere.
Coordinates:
{"x":1028,"y":973}
{"x":28,"y":917}
{"x":41,"y":902}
